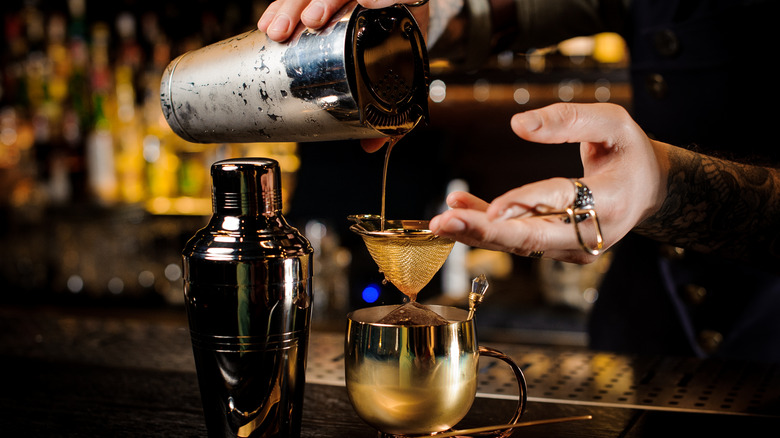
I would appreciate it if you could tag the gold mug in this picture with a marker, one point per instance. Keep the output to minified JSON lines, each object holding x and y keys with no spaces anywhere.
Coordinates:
{"x":417,"y":380}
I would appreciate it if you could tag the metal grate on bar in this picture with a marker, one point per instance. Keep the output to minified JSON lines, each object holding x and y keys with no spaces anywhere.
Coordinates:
{"x":603,"y":379}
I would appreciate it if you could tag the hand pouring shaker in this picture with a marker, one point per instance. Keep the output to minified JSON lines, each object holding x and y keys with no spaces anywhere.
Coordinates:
{"x":247,"y":287}
{"x":365,"y":75}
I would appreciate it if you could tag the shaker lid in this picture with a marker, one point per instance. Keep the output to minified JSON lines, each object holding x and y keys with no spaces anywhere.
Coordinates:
{"x":391,"y":65}
{"x":246,"y":186}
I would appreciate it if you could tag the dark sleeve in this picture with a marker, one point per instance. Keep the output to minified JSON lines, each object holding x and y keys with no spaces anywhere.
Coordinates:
{"x":545,"y":22}
{"x":485,"y":27}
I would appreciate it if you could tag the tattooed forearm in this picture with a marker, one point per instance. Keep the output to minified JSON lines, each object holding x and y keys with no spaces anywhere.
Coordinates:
{"x":718,"y":206}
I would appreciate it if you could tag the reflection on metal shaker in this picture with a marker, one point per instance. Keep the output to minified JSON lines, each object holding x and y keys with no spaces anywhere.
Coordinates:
{"x":365,"y":75}
{"x":247,"y":288}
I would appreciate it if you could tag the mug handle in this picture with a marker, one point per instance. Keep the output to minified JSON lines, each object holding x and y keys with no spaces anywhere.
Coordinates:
{"x":521,"y":387}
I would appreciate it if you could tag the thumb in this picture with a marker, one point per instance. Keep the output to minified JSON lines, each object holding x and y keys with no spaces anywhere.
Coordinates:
{"x":569,"y":123}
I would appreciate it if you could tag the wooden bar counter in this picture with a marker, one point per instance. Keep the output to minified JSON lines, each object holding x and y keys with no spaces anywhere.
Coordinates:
{"x":120,"y":373}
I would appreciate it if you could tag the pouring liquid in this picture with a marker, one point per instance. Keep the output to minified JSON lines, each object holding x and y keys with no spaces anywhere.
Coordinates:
{"x":392,"y":140}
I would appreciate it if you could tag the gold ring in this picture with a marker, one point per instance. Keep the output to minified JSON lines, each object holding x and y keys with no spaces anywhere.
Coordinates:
{"x":572,"y":216}
{"x":581,"y":209}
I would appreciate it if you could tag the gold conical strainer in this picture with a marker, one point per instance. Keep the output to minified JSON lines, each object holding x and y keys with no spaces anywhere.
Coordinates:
{"x":406,"y":251}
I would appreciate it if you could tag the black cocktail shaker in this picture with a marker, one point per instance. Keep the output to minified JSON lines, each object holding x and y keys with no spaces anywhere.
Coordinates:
{"x":247,"y":286}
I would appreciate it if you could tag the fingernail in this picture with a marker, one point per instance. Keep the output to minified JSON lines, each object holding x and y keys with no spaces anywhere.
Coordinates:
{"x":454,"y":226}
{"x":263,"y":22}
{"x":281,"y":23}
{"x":531,"y":121}
{"x":455,"y":204}
{"x":315,"y":13}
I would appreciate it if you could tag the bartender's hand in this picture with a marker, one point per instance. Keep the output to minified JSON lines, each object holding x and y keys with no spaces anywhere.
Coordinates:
{"x":282,"y":16}
{"x":624,"y":169}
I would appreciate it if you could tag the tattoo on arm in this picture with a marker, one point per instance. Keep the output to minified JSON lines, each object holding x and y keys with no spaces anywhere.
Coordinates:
{"x":720,"y":207}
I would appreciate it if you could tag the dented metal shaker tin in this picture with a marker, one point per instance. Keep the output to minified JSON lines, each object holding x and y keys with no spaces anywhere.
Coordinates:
{"x":365,"y":75}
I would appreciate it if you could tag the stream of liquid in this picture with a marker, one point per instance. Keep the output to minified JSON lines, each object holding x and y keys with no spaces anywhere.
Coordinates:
{"x":392,"y":140}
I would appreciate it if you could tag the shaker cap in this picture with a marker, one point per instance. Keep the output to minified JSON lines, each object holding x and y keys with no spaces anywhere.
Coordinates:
{"x":246,"y":186}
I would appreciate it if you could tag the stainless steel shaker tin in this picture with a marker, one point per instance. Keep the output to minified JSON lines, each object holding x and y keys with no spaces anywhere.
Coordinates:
{"x":248,"y":295}
{"x":365,"y":75}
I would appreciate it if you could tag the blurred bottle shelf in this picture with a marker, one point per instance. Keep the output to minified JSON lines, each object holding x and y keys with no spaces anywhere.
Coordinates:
{"x":80,"y":117}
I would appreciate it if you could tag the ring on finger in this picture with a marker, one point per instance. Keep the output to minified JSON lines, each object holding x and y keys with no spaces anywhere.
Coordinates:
{"x":536,"y":254}
{"x":583,"y":200}
{"x":581,"y":209}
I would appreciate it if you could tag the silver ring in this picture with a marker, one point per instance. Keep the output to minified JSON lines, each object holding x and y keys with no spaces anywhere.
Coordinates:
{"x":536,"y":254}
{"x":583,"y":200}
{"x":417,"y":3}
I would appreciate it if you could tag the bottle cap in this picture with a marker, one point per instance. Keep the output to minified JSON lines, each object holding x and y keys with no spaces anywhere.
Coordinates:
{"x":246,"y":186}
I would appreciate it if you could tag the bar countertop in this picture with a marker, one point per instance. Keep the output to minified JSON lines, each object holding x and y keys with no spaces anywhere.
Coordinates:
{"x":98,"y":372}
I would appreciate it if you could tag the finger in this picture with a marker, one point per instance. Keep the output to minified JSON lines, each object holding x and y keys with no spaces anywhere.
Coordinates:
{"x":371,"y":145}
{"x":268,"y":16}
{"x":459,"y":199}
{"x":536,"y":198}
{"x":553,"y":198}
{"x":518,"y":236}
{"x":570,"y":123}
{"x":285,"y":17}
{"x":318,"y":12}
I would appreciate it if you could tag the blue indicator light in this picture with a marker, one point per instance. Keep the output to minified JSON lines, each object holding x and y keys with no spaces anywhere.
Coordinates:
{"x":370,"y":293}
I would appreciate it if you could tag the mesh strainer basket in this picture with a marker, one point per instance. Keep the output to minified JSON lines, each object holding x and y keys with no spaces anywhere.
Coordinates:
{"x":406,"y":251}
